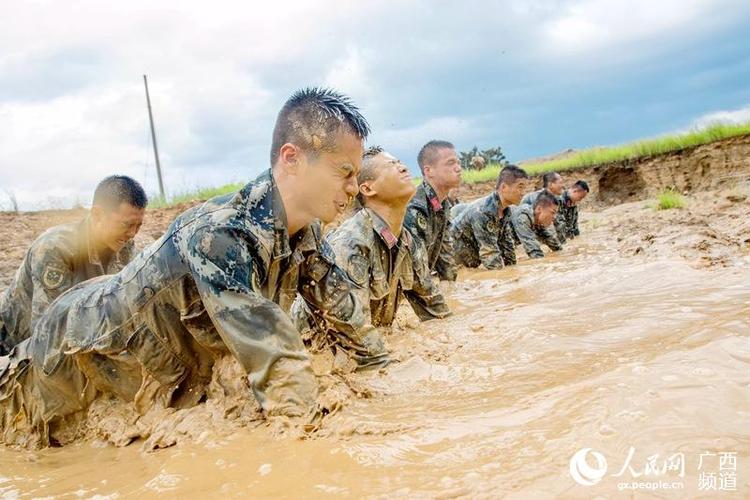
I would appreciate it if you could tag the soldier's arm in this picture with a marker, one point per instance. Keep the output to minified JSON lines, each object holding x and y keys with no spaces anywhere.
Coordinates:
{"x":574,"y":231}
{"x":489,"y":249}
{"x":51,"y":275}
{"x":256,"y":331}
{"x":508,"y":245}
{"x":561,"y":226}
{"x":445,"y":266}
{"x":548,"y":236}
{"x":336,"y":290}
{"x":525,"y":233}
{"x":425,"y":296}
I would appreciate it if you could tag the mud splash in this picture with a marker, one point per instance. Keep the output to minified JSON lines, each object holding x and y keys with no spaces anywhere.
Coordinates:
{"x":596,"y":347}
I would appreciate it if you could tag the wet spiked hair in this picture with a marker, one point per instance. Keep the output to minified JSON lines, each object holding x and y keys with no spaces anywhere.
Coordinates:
{"x":310,"y":119}
{"x":549,"y":177}
{"x":581,"y":184}
{"x":117,"y":189}
{"x":510,"y":174}
{"x":427,"y":153}
{"x":545,"y":199}
{"x":367,"y":172}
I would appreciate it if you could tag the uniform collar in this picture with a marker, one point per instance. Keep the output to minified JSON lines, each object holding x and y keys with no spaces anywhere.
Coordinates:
{"x":305,"y":240}
{"x":432,"y":198}
{"x":383,"y":230}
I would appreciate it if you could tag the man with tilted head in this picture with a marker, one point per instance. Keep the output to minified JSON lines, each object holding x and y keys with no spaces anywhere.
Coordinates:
{"x":381,"y":261}
{"x":534,"y":224}
{"x":65,"y":255}
{"x":481,"y":231}
{"x":219,"y":281}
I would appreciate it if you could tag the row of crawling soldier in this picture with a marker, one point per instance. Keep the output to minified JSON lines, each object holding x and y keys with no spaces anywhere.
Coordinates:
{"x":221,"y":280}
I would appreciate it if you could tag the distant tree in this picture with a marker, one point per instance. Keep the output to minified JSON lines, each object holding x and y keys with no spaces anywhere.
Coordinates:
{"x":491,"y":155}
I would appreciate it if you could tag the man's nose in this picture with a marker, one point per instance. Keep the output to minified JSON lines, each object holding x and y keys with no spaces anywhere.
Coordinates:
{"x":351,"y":187}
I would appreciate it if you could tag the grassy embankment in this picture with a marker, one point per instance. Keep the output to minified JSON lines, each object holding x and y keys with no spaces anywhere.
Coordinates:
{"x":584,"y":158}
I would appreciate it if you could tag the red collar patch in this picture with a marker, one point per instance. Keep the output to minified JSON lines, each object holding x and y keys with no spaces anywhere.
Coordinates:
{"x":436,"y":206}
{"x":388,"y":236}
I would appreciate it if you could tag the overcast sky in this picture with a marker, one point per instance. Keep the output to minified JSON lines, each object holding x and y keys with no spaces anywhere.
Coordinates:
{"x":532,"y":76}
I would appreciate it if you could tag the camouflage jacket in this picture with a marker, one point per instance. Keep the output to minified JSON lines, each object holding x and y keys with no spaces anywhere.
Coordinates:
{"x":529,"y":233}
{"x":480,"y":236}
{"x":428,"y":221}
{"x":566,"y":222}
{"x":219,"y":280}
{"x":382,"y":269}
{"x":58,"y":259}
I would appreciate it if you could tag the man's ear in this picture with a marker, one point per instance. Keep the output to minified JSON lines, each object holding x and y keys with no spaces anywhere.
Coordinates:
{"x":289,"y":158}
{"x":366,"y":189}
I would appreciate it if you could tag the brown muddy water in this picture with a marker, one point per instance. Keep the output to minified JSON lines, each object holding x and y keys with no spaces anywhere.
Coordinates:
{"x":586,"y":349}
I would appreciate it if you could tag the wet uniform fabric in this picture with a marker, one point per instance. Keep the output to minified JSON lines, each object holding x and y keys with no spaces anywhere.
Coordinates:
{"x":219,"y":280}
{"x":382,"y":268}
{"x":58,"y":259}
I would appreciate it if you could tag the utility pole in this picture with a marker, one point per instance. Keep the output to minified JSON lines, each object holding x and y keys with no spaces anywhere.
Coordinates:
{"x":153,"y":140}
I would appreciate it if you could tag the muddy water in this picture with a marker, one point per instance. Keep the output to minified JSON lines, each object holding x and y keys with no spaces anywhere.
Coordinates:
{"x":581,"y":350}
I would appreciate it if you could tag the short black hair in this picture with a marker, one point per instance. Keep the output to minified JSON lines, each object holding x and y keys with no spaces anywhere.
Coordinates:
{"x":549,"y":177}
{"x":581,"y":184}
{"x":545,"y":199}
{"x":116,"y":189}
{"x":510,"y":174}
{"x":427,"y":153}
{"x":310,"y":119}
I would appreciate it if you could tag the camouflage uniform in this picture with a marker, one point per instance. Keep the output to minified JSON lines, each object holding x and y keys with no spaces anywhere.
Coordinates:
{"x":558,"y":227}
{"x":219,"y":280}
{"x":567,"y":227}
{"x":382,"y":269}
{"x":58,"y":259}
{"x":428,"y":221}
{"x":480,"y":236}
{"x":529,"y":233}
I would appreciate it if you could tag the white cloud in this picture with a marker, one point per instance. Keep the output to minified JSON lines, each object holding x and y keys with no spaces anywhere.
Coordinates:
{"x":741,"y":115}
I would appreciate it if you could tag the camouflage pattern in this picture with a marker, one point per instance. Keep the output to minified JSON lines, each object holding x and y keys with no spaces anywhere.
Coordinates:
{"x":58,"y":259}
{"x":382,"y":268}
{"x":480,"y":236}
{"x":558,"y":227}
{"x":218,"y":281}
{"x":566,"y":222}
{"x":428,"y":221}
{"x":529,"y":233}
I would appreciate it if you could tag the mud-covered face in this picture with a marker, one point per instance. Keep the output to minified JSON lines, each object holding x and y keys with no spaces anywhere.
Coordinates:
{"x":392,"y":180}
{"x":545,"y":215}
{"x":329,"y":178}
{"x":576,"y":195}
{"x":556,"y":186}
{"x":512,"y":193}
{"x":115,"y":228}
{"x":445,"y":171}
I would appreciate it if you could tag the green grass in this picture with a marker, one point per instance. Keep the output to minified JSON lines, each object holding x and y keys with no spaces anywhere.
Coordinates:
{"x":669,"y":199}
{"x":598,"y":156}
{"x":198,"y":194}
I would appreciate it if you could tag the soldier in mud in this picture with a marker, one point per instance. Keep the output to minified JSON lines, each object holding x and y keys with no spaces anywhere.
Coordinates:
{"x":552,"y":182}
{"x":429,"y":210}
{"x":481,"y":230}
{"x":65,"y":255}
{"x":219,"y":281}
{"x":381,"y":260}
{"x":533,"y":223}
{"x":566,"y":222}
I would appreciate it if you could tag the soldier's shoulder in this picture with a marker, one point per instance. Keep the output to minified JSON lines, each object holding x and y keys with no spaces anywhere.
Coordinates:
{"x":419,"y":200}
{"x":355,"y":232}
{"x":62,"y":240}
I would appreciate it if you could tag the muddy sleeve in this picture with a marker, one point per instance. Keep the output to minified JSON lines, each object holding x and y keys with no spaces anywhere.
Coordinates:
{"x":508,"y":244}
{"x":487,"y":241}
{"x":561,"y":226}
{"x":574,"y":231}
{"x":445,"y":266}
{"x":341,"y":300}
{"x":256,"y":330}
{"x":524,"y":231}
{"x":51,"y":275}
{"x":425,"y":296}
{"x":548,"y":235}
